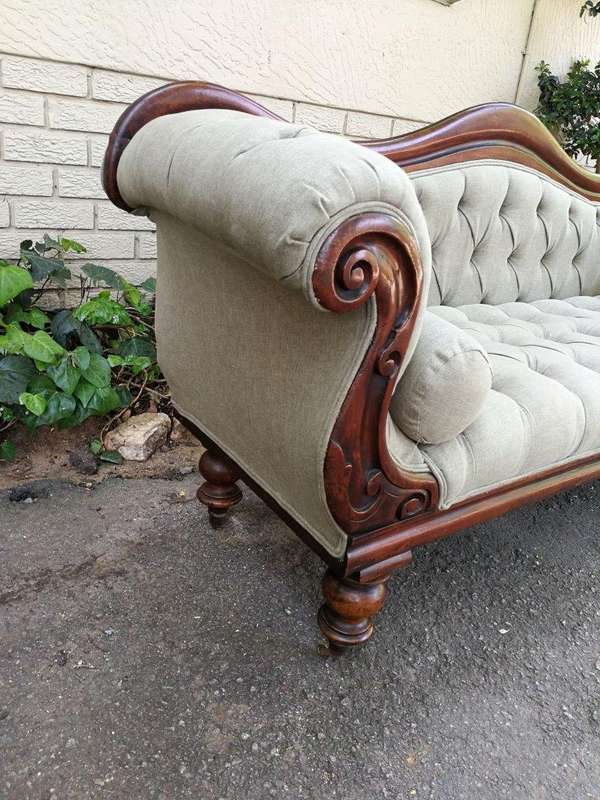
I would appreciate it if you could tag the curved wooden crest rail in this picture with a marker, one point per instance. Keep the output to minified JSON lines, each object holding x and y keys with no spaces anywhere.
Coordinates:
{"x":385,"y":510}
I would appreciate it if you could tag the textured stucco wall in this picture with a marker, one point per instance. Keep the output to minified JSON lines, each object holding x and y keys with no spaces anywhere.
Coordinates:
{"x":407,"y":58}
{"x":365,"y":69}
{"x":559,"y":37}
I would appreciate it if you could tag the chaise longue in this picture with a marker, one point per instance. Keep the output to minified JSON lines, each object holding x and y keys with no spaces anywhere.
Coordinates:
{"x":388,"y":341}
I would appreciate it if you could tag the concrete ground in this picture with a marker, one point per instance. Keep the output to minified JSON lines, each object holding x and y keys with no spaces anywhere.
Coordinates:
{"x":145,"y":656}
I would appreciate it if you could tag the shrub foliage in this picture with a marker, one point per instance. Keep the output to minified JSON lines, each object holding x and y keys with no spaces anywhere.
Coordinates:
{"x":58,"y":369}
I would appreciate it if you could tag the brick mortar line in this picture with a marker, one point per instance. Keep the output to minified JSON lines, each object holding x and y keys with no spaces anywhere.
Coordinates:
{"x":96,"y":68}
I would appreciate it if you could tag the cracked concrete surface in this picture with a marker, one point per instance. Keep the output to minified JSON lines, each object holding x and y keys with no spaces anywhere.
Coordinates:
{"x":145,"y":656}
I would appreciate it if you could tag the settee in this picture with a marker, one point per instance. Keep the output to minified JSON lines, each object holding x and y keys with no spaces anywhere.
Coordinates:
{"x":388,"y":341}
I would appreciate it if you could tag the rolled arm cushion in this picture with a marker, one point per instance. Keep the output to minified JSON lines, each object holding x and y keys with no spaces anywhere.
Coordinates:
{"x":444,"y":387}
{"x":270,"y":190}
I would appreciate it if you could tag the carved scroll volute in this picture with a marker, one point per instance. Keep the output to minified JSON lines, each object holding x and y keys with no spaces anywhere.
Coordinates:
{"x":372,"y":255}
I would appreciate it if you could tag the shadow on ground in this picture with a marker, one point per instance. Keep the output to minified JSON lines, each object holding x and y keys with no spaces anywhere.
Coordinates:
{"x":145,"y":656}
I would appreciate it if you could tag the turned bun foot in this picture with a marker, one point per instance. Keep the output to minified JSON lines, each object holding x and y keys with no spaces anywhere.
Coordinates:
{"x":219,"y":492}
{"x":345,"y":618}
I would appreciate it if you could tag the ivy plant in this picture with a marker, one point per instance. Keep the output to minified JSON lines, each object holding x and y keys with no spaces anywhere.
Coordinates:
{"x":590,"y":7}
{"x":58,"y":369}
{"x":571,"y":108}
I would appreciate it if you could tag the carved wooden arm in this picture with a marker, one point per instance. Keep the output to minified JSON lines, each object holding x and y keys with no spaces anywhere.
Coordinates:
{"x":372,"y":254}
{"x":370,"y":257}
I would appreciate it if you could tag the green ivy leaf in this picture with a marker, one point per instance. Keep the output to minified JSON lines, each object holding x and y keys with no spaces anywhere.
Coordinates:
{"x":13,"y":281}
{"x":98,"y":372}
{"x":103,"y":401}
{"x":35,"y":403}
{"x":138,"y":346}
{"x":15,"y":373}
{"x":42,"y":347}
{"x":115,"y":361}
{"x":103,"y":311}
{"x":59,"y":408}
{"x":84,"y":392}
{"x":34,"y":317}
{"x":14,"y":339}
{"x":111,"y":457}
{"x":88,"y":339}
{"x":68,"y":331}
{"x":8,"y":451}
{"x":102,"y":276}
{"x":41,"y":383}
{"x":137,"y":363}
{"x":64,"y":327}
{"x":65,"y":375}
{"x":81,"y":357}
{"x":96,"y":447}
{"x":42,"y":267}
{"x":149,"y":285}
{"x":132,"y":295}
{"x":71,"y":246}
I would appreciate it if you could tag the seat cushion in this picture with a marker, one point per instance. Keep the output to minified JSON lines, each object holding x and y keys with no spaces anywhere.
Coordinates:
{"x":544,"y":404}
{"x":444,"y":386}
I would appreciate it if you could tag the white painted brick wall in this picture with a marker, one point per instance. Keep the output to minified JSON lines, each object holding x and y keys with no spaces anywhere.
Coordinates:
{"x":80,"y":182}
{"x":54,"y":121}
{"x":368,"y":126}
{"x":97,"y":150}
{"x":116,"y":87}
{"x":146,"y":245}
{"x":4,"y":214}
{"x":21,"y":108}
{"x":83,"y":115}
{"x":111,"y":218}
{"x":326,"y":119}
{"x":21,"y":144}
{"x":53,"y":213}
{"x":44,"y":76}
{"x":28,"y":179}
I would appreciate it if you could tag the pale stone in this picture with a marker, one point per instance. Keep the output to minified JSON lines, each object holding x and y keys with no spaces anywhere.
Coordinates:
{"x":179,"y":433}
{"x":139,"y":437}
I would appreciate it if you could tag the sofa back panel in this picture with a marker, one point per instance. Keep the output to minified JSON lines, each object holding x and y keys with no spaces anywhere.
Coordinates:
{"x":501,"y":233}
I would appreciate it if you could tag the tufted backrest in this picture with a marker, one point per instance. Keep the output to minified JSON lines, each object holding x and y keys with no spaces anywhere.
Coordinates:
{"x":501,"y":232}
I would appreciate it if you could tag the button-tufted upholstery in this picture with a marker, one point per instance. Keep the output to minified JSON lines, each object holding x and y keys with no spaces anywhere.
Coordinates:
{"x":501,"y":233}
{"x":516,"y":266}
{"x":544,"y":404}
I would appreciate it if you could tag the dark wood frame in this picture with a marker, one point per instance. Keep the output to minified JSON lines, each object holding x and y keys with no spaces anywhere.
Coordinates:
{"x":385,"y":511}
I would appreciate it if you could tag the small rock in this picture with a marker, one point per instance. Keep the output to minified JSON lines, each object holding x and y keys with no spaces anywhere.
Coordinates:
{"x":140,"y":436}
{"x":84,"y":461}
{"x":179,"y":433}
{"x":3,"y":713}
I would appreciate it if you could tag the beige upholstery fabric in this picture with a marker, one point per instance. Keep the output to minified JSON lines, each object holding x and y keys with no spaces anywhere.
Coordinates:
{"x":445,"y":385}
{"x":257,"y":368}
{"x":269,"y":190}
{"x":242,"y":205}
{"x":501,"y":233}
{"x":544,"y":406}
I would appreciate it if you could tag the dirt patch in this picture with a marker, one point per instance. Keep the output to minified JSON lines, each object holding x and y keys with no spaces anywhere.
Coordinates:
{"x":45,"y":453}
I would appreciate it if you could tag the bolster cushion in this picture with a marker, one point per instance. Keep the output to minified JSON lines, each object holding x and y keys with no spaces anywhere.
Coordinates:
{"x":445,"y":385}
{"x":269,"y":190}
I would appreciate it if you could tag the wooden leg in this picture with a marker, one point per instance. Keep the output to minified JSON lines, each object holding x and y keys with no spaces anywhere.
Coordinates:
{"x":345,"y":616}
{"x":219,"y":492}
